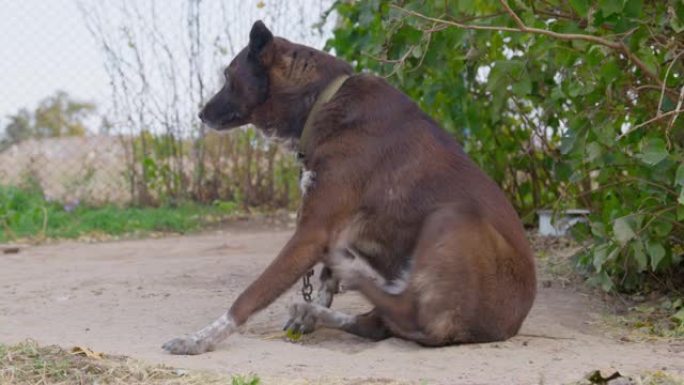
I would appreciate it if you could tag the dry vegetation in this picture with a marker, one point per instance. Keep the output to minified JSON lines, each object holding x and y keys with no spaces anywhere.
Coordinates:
{"x":27,"y":363}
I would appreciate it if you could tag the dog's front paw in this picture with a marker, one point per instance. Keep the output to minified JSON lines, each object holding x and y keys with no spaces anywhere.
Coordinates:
{"x":302,"y":319}
{"x":187,"y":346}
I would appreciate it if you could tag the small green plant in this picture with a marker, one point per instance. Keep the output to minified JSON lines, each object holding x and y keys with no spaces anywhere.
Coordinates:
{"x":251,"y":379}
{"x":293,"y":335}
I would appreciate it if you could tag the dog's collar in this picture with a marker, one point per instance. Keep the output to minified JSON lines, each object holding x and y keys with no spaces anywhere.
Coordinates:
{"x":325,"y":96}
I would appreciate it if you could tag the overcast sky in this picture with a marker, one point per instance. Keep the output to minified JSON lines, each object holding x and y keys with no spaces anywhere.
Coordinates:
{"x":45,"y":46}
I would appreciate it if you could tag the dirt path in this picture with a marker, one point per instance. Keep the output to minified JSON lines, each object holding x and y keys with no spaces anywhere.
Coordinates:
{"x":129,"y":297}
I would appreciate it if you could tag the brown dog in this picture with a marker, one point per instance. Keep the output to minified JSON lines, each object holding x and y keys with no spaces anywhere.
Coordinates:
{"x":391,"y":205}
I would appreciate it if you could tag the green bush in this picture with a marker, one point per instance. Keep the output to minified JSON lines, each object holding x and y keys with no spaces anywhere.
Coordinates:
{"x":564,"y":104}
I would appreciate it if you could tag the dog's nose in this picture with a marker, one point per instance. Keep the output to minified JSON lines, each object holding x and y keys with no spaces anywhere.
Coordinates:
{"x":201,"y":116}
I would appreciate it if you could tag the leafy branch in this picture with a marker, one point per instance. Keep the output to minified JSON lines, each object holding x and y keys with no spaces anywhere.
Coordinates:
{"x":617,"y":46}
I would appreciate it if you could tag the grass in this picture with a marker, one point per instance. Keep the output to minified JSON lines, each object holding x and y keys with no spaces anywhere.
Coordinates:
{"x":650,"y":320}
{"x":26,"y":214}
{"x":27,"y":363}
{"x":628,"y":318}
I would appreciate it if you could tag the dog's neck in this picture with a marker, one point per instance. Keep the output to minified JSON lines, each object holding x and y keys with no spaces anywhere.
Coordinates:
{"x":284,"y":118}
{"x":328,"y":93}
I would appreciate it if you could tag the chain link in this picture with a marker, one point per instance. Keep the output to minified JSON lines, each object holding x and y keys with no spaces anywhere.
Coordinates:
{"x":307,"y":287}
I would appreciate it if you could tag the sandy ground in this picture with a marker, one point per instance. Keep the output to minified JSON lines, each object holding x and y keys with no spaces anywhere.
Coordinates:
{"x":129,"y":297}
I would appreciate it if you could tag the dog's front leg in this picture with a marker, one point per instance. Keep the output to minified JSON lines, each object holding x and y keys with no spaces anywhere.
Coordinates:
{"x":329,"y":286}
{"x":300,"y":254}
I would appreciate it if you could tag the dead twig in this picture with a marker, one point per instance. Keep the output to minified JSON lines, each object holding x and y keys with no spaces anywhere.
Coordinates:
{"x":544,"y":336}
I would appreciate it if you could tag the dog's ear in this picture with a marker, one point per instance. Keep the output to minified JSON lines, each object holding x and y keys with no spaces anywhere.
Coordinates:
{"x":260,"y":39}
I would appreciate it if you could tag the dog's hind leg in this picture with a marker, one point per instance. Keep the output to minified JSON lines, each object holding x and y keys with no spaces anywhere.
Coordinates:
{"x":368,"y":325}
{"x":329,"y":287}
{"x":467,"y":284}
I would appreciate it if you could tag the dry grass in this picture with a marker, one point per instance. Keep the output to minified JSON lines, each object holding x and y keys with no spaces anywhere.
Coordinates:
{"x":646,"y":378}
{"x":554,"y":257}
{"x":628,"y":318}
{"x":27,"y":363}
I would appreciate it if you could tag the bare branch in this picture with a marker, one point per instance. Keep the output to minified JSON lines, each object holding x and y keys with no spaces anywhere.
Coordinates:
{"x":667,"y":74}
{"x":654,"y":119}
{"x":674,"y":118}
{"x":455,"y":23}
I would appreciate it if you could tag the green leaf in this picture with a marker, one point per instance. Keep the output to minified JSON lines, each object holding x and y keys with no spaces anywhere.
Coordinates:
{"x":640,"y":255}
{"x":605,"y":133}
{"x":610,"y":71}
{"x":574,"y":89}
{"x":648,"y":58}
{"x":594,"y":150}
{"x":680,"y":199}
{"x":557,"y":93}
{"x":676,"y":24}
{"x":598,"y":229}
{"x":679,"y":316}
{"x":677,"y":17}
{"x":602,"y":279}
{"x":568,"y":142}
{"x":417,"y":52}
{"x":599,"y":256}
{"x":633,"y":8}
{"x":653,"y":151}
{"x":580,"y":6}
{"x":623,"y":228}
{"x":661,"y":227}
{"x":609,"y":7}
{"x":679,"y":176}
{"x":657,"y":253}
{"x":522,"y":87}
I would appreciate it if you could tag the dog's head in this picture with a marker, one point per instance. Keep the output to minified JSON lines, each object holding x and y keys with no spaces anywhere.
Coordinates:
{"x":272,"y":84}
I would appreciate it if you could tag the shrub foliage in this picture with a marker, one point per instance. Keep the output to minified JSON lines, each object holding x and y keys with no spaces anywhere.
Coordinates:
{"x":565,"y":103}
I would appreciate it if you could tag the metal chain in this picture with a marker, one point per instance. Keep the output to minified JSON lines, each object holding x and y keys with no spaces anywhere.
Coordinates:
{"x":307,"y":287}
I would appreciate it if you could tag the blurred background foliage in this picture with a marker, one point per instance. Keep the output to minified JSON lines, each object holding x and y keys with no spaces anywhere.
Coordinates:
{"x":57,"y":115}
{"x":565,"y":103}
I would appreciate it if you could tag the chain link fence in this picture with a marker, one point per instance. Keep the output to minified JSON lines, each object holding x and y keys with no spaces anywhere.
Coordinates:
{"x":103,"y":98}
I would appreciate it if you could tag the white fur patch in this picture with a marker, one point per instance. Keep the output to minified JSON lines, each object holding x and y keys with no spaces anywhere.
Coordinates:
{"x":350,"y":269}
{"x":307,"y":180}
{"x":397,"y":285}
{"x":217,"y":331}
